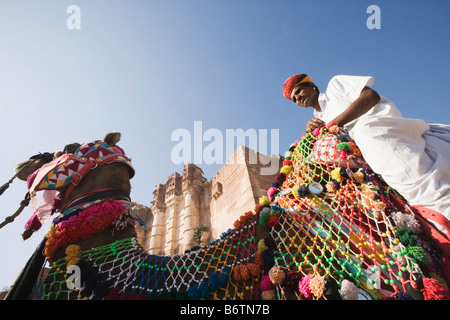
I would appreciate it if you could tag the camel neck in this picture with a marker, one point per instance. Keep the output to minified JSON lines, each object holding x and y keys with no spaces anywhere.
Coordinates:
{"x":96,"y":195}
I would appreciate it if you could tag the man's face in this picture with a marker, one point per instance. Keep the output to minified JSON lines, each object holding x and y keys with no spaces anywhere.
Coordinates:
{"x":304,"y":94}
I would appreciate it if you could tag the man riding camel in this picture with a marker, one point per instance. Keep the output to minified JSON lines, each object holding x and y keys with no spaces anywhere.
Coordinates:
{"x":412,"y":155}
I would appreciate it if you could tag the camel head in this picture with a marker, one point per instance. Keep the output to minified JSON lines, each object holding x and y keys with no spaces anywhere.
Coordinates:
{"x":81,"y":172}
{"x":80,"y":169}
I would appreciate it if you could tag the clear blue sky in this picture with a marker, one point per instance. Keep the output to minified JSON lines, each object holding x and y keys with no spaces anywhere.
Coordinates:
{"x":147,"y":68}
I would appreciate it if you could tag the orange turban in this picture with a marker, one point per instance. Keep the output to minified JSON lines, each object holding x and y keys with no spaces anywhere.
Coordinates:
{"x":292,"y":82}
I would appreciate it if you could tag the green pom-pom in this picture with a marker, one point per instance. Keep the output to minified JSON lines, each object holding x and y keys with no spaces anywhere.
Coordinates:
{"x":343,"y":138}
{"x":343,"y":146}
{"x":407,"y":237}
{"x":263,"y":218}
{"x":418,"y":254}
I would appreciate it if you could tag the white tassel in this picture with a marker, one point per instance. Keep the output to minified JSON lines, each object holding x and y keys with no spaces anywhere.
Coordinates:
{"x":348,"y":290}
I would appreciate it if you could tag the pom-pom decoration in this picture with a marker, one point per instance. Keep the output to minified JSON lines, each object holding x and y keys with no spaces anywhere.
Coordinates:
{"x":303,"y":286}
{"x":419,"y":255}
{"x":271,"y":192}
{"x":276,"y":275}
{"x":286,"y":170}
{"x":264,"y":201}
{"x":434,"y":290}
{"x":268,"y":295}
{"x":348,"y":290}
{"x":266,"y":284}
{"x":273,"y":221}
{"x":292,"y":280}
{"x":336,"y":174}
{"x":317,"y":285}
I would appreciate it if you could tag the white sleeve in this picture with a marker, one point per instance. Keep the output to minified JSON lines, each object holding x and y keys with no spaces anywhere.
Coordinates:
{"x":348,"y":87}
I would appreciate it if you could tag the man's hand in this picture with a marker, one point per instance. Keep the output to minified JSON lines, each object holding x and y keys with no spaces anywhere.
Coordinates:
{"x":314,"y":123}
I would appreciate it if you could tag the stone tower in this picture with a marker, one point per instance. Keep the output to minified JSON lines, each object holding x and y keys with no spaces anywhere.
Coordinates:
{"x":188,"y":201}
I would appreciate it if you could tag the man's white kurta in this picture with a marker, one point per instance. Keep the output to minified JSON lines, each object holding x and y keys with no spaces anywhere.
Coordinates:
{"x":412,"y":155}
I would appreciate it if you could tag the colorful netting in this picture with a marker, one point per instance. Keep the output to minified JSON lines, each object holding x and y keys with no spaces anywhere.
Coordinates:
{"x":329,"y":228}
{"x":122,"y":270}
{"x":343,"y":222}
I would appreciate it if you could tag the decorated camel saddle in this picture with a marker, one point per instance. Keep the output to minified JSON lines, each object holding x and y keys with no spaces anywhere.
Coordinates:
{"x":328,"y":228}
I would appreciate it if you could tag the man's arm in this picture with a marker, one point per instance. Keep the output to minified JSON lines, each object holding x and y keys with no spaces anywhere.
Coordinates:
{"x":367,"y":99}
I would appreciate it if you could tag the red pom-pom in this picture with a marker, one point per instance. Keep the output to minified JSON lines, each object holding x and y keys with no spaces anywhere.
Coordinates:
{"x":434,"y":290}
{"x":281,"y":177}
{"x":273,"y":222}
{"x":331,"y":124}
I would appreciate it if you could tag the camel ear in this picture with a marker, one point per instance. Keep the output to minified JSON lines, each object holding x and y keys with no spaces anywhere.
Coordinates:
{"x":112,"y":138}
{"x":71,"y":148}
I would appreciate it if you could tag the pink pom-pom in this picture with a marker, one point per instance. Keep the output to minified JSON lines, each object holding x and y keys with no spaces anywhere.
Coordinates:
{"x":271,"y":192}
{"x":303,"y":286}
{"x":316,"y":132}
{"x":33,"y":223}
{"x":266,"y":284}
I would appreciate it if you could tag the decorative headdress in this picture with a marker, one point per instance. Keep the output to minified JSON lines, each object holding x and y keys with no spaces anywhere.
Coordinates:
{"x":71,"y":168}
{"x":67,"y":171}
{"x":294,"y":81}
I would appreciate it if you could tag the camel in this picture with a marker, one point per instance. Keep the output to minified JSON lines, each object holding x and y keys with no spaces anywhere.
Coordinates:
{"x":325,"y":230}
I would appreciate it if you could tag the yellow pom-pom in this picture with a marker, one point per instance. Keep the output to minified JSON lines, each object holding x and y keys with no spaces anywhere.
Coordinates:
{"x":262,"y":245}
{"x":336,"y":174}
{"x":72,"y":262}
{"x":264,"y":200}
{"x":73,"y":250}
{"x":73,"y":254}
{"x":286,"y":170}
{"x":294,"y":191}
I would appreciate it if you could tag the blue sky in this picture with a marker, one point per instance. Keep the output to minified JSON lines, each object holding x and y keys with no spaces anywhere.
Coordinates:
{"x":147,"y":68}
